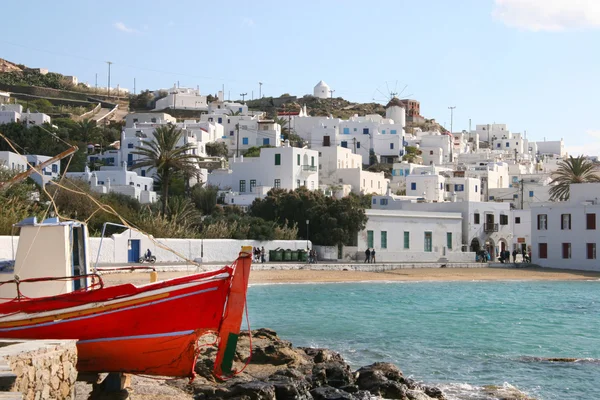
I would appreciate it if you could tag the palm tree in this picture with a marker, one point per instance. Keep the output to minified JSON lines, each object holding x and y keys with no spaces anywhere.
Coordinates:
{"x":167,"y":158}
{"x":87,"y":130}
{"x":572,"y":170}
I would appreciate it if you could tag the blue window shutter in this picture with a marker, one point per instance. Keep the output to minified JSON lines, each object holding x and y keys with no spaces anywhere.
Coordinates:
{"x":413,"y":186}
{"x":393,"y":132}
{"x":245,"y":140}
{"x":344,"y":144}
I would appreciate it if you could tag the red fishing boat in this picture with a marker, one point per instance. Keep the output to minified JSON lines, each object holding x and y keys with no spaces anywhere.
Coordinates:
{"x":149,"y":329}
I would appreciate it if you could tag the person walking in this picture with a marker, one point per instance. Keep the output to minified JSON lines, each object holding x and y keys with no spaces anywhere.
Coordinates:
{"x":373,"y":255}
{"x":514,"y":254}
{"x":262,"y":255}
{"x":368,"y":255}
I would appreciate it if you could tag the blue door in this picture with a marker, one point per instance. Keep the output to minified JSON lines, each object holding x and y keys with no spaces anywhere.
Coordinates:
{"x":129,"y":159}
{"x":133,"y":253}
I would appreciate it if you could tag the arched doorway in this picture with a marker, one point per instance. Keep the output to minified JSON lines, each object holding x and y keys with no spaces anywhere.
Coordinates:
{"x":490,"y":246}
{"x":475,"y":246}
{"x":503,"y":245}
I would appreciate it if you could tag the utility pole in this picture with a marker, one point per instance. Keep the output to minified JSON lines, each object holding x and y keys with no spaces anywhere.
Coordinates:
{"x":243,"y":96}
{"x":451,"y":118}
{"x":260,"y":90}
{"x":237,"y":149}
{"x":331,"y":92}
{"x":522,"y":191}
{"x":134,"y":87}
{"x":488,"y":128}
{"x":96,"y":82}
{"x":109,"y":64}
{"x":354,"y":140}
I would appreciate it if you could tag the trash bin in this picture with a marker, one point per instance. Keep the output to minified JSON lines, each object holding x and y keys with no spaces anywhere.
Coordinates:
{"x":275,"y":255}
{"x":287,"y":255}
{"x":295,"y":255}
{"x":302,"y":255}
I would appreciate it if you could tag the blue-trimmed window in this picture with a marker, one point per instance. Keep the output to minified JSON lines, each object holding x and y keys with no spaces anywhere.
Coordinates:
{"x":459,"y":188}
{"x":265,"y":141}
{"x":383,"y":202}
{"x":344,"y":144}
{"x":383,"y":132}
{"x":358,"y":145}
{"x":413,"y":186}
{"x":393,"y":132}
{"x":245,"y":140}
{"x":531,"y":193}
{"x":391,"y":146}
{"x":365,"y":131}
{"x":346,"y":131}
{"x":130,"y":145}
{"x":374,"y":201}
{"x":54,"y":168}
{"x":507,"y":144}
{"x":475,"y":188}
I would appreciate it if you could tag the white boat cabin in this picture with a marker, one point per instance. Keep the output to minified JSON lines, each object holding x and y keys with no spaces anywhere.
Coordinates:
{"x":51,"y":249}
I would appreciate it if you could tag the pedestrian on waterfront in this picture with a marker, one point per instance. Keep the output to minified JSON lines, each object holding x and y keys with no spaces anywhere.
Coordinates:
{"x":514,"y":254}
{"x":373,"y":255}
{"x":368,"y":255}
{"x":262,"y":255}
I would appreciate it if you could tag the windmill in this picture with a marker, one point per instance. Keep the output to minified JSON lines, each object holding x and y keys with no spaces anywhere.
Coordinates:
{"x":387,"y":91}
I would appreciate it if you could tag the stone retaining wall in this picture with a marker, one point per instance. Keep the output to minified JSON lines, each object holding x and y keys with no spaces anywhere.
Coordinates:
{"x":42,"y":369}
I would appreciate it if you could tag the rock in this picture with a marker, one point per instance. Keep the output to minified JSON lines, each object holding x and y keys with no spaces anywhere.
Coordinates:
{"x":322,"y":355}
{"x":330,"y":393}
{"x":291,"y":388}
{"x":256,"y":390}
{"x":505,"y":392}
{"x":332,"y":373}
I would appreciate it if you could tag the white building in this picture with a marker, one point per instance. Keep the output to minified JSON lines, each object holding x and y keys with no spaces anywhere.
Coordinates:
{"x":19,"y":163}
{"x":384,"y":137}
{"x":413,"y":236}
{"x":153,"y":118}
{"x":182,"y":99}
{"x":566,"y":234}
{"x":338,"y":167}
{"x":4,"y":97}
{"x":484,"y":225}
{"x":118,"y":180}
{"x":282,"y":167}
{"x":554,"y":147}
{"x":321,"y":90}
{"x":10,"y":113}
{"x":438,"y":188}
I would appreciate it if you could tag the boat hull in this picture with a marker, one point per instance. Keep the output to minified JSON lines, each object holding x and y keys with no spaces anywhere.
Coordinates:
{"x":152,"y":330}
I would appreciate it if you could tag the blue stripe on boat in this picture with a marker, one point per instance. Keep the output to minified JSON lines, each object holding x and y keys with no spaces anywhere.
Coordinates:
{"x":155,"y":335}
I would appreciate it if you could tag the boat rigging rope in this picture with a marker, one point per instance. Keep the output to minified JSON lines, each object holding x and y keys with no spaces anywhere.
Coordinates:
{"x":100,"y":206}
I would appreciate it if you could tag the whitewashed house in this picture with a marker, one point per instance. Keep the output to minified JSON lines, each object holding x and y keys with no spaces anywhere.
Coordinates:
{"x":182,"y":99}
{"x":154,"y":118}
{"x":338,"y":167}
{"x":118,"y":180}
{"x":484,"y":225}
{"x":413,"y":236}
{"x":362,"y":134}
{"x":10,"y":113}
{"x":20,"y":163}
{"x":279,"y":168}
{"x":566,"y":234}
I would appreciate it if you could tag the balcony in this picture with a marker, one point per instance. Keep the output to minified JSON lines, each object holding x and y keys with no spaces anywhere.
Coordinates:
{"x":309,"y":168}
{"x":488,"y":228}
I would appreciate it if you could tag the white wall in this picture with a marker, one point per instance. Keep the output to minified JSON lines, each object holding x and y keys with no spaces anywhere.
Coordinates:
{"x":395,"y":223}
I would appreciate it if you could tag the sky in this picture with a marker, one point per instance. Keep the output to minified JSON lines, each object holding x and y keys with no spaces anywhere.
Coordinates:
{"x":532,"y":64}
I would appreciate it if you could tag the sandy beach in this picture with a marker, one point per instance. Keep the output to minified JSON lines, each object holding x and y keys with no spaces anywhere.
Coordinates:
{"x":414,"y":275}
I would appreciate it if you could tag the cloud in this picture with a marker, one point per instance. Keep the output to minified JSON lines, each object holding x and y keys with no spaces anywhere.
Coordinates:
{"x":548,"y":15}
{"x":248,"y":22}
{"x":124,"y":28}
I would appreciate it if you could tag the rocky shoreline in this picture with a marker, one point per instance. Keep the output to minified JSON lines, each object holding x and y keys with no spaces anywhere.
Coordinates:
{"x":279,"y":371}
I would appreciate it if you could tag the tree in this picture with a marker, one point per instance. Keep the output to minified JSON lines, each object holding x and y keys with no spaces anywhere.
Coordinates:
{"x":217,"y":149}
{"x":163,"y":155}
{"x":86,"y":131}
{"x":332,"y":221}
{"x":205,"y":198}
{"x":572,"y":170}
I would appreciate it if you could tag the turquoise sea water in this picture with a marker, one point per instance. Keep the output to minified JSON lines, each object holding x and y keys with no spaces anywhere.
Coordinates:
{"x":458,"y":335}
